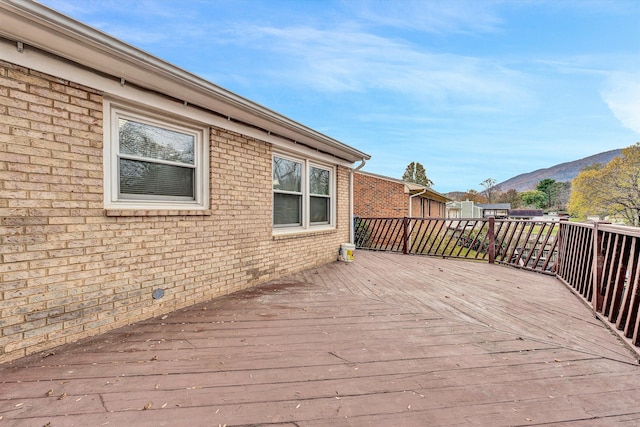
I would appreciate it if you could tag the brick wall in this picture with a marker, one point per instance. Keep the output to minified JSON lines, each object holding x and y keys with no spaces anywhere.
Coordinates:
{"x":68,"y":271}
{"x":375,"y":197}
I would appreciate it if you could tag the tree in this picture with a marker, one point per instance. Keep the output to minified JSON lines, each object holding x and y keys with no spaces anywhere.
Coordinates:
{"x":490,"y":189}
{"x":473,"y":196}
{"x":416,"y":173}
{"x":533,"y":198}
{"x":548,"y":187}
{"x":612,"y":189}
{"x":563,"y":192}
{"x":584,"y":195}
{"x":511,"y":196}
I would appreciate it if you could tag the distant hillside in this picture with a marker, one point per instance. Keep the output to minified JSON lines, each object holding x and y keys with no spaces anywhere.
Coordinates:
{"x":455,"y":195}
{"x":561,"y":173}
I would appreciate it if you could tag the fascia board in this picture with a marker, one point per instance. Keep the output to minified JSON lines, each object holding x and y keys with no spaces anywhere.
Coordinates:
{"x":50,"y":31}
{"x":114,"y":91}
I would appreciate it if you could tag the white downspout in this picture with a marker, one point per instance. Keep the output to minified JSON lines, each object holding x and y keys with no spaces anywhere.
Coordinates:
{"x":412,"y":196}
{"x":351,"y":228}
{"x":410,"y":206}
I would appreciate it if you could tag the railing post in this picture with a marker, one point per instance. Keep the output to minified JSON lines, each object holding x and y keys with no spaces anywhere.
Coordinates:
{"x":562,"y":229}
{"x":492,"y":240}
{"x":597,"y":299}
{"x":405,"y":234}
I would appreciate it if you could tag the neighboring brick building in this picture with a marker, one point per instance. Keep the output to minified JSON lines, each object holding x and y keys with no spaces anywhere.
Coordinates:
{"x":130,"y":188}
{"x":377,"y":196}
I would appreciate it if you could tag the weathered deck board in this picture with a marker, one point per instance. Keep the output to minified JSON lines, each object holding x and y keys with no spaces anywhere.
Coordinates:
{"x":386,"y":340}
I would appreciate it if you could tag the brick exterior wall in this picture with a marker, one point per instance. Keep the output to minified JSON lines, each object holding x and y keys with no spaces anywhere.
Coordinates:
{"x":68,"y":271}
{"x":378,"y":198}
{"x":375,"y":197}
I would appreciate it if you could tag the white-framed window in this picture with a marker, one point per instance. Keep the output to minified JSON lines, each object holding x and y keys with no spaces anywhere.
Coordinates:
{"x":154,"y":161}
{"x":303,"y":194}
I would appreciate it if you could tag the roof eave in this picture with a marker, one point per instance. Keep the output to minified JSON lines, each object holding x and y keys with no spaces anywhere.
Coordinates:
{"x":38,"y":26}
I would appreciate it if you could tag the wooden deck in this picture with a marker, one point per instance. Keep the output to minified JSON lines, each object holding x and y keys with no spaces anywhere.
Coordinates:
{"x":388,"y":340}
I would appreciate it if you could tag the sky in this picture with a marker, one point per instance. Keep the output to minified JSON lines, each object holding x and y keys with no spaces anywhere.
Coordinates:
{"x":471,"y":89}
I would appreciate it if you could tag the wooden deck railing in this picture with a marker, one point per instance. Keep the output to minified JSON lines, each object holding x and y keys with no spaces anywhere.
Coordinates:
{"x":599,"y":262}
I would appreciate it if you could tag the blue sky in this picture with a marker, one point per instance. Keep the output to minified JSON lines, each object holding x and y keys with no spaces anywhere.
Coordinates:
{"x":471,"y":89}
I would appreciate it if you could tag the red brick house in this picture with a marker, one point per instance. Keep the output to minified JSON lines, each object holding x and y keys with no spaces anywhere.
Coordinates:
{"x":377,"y":196}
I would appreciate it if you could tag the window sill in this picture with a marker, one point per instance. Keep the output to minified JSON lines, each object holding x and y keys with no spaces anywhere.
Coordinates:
{"x":157,"y":212}
{"x":295,"y":234}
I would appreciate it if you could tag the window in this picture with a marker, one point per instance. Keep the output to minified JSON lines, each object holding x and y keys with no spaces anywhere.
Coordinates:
{"x":287,"y":192}
{"x":319,"y":195}
{"x":155,"y":162}
{"x":302,"y":194}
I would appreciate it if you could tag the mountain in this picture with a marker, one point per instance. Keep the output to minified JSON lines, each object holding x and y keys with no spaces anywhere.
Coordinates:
{"x":561,"y":173}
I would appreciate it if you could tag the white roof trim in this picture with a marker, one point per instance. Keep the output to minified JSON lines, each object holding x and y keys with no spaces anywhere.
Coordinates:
{"x":38,"y":26}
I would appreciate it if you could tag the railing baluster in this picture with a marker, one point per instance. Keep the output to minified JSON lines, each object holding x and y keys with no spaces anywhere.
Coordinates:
{"x":499,"y":233}
{"x":460,"y":242}
{"x":615,"y":296}
{"x":439,"y":237}
{"x":491,"y":232}
{"x":630,"y":287}
{"x":425,"y":236}
{"x":611,"y":258}
{"x":482,"y":241}
{"x":448,"y":249}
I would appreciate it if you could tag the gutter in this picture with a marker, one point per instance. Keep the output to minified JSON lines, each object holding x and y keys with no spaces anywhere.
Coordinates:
{"x":29,"y":23}
{"x":412,"y":196}
{"x":410,"y":206}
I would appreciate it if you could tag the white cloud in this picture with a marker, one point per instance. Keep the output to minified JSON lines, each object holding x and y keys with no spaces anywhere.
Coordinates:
{"x":461,"y":16}
{"x":346,"y":59}
{"x":622,"y":95}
